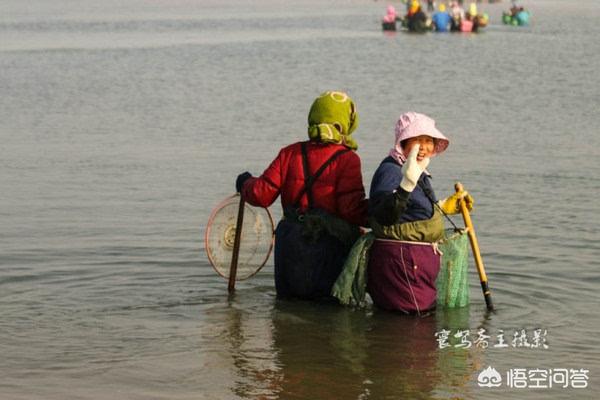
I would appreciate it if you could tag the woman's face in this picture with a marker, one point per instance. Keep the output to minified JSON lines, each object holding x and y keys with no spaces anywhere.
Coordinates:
{"x":427,"y":145}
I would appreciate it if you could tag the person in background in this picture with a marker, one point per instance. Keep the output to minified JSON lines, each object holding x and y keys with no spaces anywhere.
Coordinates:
{"x":323,"y":199}
{"x":413,"y":8}
{"x":458,"y":14}
{"x":416,"y":19}
{"x":522,"y":16}
{"x":469,"y":23}
{"x":406,"y":219}
{"x":388,"y":22}
{"x":482,"y":20}
{"x":441,"y":19}
{"x":391,"y":15}
{"x":430,"y":5}
{"x":472,"y":12}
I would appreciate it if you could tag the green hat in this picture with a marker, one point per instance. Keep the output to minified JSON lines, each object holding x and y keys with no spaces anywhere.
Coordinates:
{"x":332,"y":119}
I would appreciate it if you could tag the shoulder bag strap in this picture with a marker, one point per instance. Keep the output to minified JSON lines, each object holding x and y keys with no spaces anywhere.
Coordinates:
{"x":309,"y":179}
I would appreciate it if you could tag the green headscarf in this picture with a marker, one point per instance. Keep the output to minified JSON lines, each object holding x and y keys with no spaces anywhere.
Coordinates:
{"x":332,"y":119}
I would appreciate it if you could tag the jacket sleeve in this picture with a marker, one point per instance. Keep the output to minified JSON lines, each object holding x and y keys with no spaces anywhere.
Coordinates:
{"x":262,"y":191}
{"x":388,"y":207}
{"x":388,"y":201}
{"x":350,"y":192}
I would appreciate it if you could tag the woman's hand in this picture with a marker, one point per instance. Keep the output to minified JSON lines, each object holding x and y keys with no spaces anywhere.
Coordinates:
{"x":451,"y":205}
{"x":412,"y":169}
{"x":240,"y":180}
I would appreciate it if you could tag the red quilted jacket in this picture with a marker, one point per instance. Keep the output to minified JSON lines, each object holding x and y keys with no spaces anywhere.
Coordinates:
{"x":339,"y":190}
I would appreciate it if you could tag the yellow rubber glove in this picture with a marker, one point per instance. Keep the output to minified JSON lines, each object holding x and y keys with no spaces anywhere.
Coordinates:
{"x":451,"y":204}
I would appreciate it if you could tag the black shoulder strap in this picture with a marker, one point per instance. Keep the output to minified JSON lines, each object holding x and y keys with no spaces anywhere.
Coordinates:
{"x":427,"y":190}
{"x":309,"y":179}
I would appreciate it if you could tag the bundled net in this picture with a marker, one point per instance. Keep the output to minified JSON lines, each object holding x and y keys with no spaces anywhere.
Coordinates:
{"x":256,"y":239}
{"x":452,"y":282}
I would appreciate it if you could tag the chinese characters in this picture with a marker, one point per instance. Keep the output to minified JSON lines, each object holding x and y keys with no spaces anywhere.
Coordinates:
{"x":465,"y":339}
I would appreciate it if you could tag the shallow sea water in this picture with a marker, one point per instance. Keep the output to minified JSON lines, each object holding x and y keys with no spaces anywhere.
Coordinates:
{"x":124,"y":123}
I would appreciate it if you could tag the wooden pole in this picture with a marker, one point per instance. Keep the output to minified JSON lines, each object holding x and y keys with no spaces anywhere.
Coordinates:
{"x":236,"y":246}
{"x":475,"y":247}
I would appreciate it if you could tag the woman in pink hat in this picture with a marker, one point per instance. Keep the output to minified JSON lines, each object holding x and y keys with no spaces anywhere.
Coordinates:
{"x":391,"y":15}
{"x":406,"y":219}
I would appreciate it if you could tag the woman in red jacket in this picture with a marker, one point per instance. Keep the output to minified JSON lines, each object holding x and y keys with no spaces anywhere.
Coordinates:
{"x":322,"y":195}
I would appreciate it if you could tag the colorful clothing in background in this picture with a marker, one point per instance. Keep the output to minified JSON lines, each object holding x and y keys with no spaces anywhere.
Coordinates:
{"x":442,"y":20}
{"x":391,"y":15}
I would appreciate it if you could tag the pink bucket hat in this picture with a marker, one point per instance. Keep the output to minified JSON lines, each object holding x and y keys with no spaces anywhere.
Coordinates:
{"x":412,"y":124}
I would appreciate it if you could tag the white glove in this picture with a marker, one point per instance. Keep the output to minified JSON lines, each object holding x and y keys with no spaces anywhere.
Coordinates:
{"x":412,"y":169}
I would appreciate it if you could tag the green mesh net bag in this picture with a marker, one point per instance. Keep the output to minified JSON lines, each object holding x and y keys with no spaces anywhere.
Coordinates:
{"x":452,"y":282}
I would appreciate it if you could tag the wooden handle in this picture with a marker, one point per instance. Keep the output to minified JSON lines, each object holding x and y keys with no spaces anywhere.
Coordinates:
{"x":475,"y":247}
{"x":236,"y":246}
